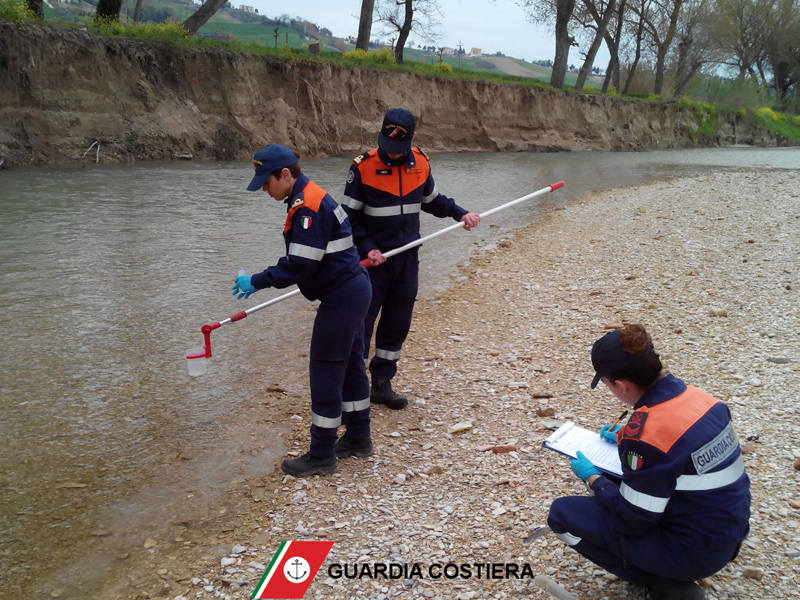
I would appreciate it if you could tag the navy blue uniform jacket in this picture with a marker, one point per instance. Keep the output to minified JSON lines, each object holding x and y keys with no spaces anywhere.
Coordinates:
{"x":320,"y":255}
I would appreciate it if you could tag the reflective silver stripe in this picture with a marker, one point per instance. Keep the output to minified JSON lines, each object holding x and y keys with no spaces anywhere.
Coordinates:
{"x":392,"y":211}
{"x":568,"y":538}
{"x":387,"y":211}
{"x":353,"y":203}
{"x":304,"y":251}
{"x":654,"y":504}
{"x":355,"y":406}
{"x":387,"y":354}
{"x":712,"y":481}
{"x":339,"y":245}
{"x":431,"y":196}
{"x":326,"y":422}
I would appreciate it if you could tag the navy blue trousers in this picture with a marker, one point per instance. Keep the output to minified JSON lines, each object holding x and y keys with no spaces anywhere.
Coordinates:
{"x":394,"y":291}
{"x":584,"y":524}
{"x":339,"y":384}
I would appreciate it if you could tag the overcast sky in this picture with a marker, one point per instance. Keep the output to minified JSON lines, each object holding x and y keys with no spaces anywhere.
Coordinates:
{"x":491,"y":26}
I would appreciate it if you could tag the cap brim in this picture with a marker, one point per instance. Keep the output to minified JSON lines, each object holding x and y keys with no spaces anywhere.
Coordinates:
{"x":258,"y":182}
{"x":387,"y":144}
{"x":596,"y":380}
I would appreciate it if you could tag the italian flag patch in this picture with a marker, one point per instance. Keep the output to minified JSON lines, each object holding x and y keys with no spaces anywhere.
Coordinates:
{"x":305,"y":222}
{"x":635,"y":461}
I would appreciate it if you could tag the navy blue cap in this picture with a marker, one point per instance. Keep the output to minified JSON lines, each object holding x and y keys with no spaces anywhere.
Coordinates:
{"x":268,"y":160}
{"x":397,"y":131}
{"x":609,"y":357}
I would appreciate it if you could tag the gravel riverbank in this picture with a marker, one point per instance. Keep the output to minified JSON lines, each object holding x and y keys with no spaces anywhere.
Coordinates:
{"x":709,"y":265}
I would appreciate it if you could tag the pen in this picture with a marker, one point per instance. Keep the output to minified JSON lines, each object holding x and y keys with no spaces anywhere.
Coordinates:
{"x":615,"y":423}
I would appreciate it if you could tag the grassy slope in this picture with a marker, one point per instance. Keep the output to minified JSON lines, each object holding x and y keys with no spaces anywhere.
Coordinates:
{"x":225,"y":23}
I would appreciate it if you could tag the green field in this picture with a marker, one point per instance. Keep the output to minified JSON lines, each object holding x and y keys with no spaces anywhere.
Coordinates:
{"x":259,"y":29}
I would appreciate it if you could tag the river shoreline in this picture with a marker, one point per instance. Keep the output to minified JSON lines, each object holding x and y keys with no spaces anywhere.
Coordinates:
{"x":708,"y":264}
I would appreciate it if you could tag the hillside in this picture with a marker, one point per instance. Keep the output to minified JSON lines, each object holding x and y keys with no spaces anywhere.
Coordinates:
{"x":235,"y":24}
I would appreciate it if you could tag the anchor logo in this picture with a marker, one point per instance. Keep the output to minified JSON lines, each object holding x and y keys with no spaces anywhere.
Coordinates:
{"x":296,"y":569}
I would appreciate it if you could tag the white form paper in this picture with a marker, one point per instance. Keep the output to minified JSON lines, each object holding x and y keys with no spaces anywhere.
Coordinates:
{"x":569,"y":438}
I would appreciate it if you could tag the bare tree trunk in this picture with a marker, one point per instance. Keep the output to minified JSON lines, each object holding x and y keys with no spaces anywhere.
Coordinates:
{"x":602,"y":27}
{"x":663,"y":47}
{"x":638,"y":54}
{"x":202,"y":15}
{"x":365,"y":24}
{"x":137,"y":11}
{"x":404,"y":31}
{"x":36,"y":7}
{"x":564,"y":41}
{"x":681,"y":84}
{"x":612,"y":72}
{"x":108,"y":10}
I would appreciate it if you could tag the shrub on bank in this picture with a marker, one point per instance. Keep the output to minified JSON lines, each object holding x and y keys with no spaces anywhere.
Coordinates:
{"x":778,"y":123}
{"x":170,"y":33}
{"x":16,"y":11}
{"x":705,"y":114}
{"x":381,"y":57}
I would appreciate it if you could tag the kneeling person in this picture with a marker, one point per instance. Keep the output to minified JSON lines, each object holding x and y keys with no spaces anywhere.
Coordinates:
{"x":682,"y":508}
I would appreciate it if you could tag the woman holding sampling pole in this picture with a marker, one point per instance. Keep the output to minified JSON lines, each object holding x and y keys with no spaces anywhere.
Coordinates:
{"x":323,"y":262}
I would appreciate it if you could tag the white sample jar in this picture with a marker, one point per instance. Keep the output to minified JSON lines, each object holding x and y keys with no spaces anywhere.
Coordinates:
{"x":196,"y":361}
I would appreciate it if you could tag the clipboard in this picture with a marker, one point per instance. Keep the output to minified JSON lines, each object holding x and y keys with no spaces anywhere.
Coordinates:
{"x":569,"y":438}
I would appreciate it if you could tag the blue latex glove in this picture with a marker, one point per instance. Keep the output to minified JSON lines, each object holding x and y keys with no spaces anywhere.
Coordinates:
{"x":583,"y":467}
{"x":243,"y":286}
{"x":610,"y":435}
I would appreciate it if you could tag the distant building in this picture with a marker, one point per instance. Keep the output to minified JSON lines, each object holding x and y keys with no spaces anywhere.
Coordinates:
{"x":448,"y":51}
{"x":475,"y":51}
{"x":247,"y":9}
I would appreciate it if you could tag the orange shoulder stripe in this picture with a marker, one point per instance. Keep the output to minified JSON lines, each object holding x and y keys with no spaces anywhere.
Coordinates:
{"x":668,"y":421}
{"x":312,"y":198}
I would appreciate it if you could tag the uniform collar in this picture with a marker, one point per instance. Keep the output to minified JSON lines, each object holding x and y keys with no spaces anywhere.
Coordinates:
{"x":297,"y":188}
{"x":662,"y":390}
{"x":408,"y":160}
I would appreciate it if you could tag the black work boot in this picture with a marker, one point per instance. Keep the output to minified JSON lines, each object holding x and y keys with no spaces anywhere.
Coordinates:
{"x":310,"y":465}
{"x":662,"y":588}
{"x":382,"y":393}
{"x":346,"y":447}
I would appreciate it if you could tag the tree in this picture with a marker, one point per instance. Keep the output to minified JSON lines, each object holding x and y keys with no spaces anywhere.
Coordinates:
{"x":695,"y":43}
{"x":400,"y":17}
{"x":202,"y":15}
{"x":741,"y":30}
{"x":564,"y":41}
{"x":108,"y":10}
{"x":137,"y":11}
{"x":613,"y":42}
{"x":661,"y":24}
{"x":365,"y":24}
{"x":36,"y":7}
{"x":639,"y":9}
{"x":601,"y":20}
{"x":782,"y":49}
{"x":558,"y":13}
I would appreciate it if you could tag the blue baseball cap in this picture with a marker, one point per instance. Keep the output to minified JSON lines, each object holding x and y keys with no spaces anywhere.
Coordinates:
{"x":609,"y":357}
{"x":268,"y":160}
{"x":397,"y":131}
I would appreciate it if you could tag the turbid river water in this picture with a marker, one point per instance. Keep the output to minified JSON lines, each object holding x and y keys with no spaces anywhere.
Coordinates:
{"x":109,"y":273}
